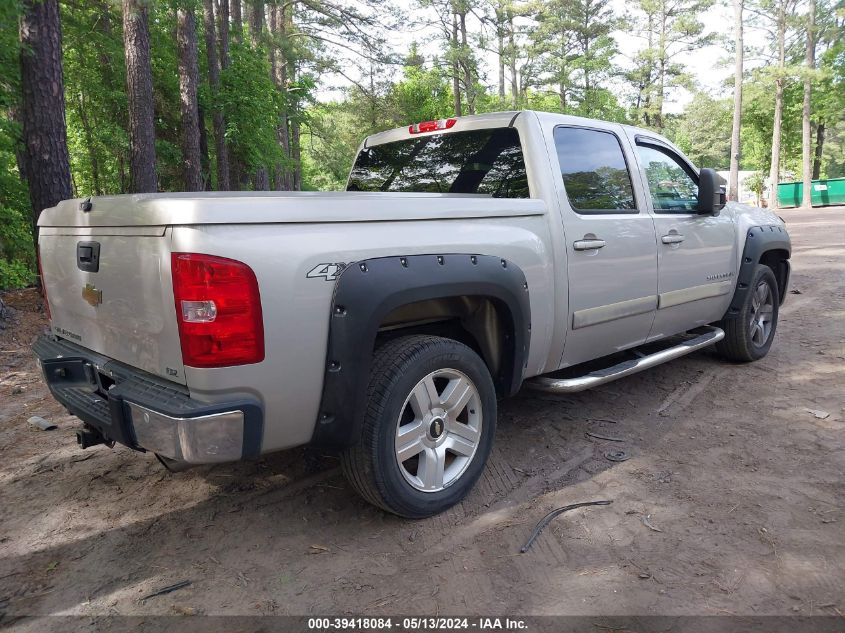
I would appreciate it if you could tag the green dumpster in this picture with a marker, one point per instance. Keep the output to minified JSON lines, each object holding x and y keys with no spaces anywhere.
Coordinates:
{"x":823,"y":193}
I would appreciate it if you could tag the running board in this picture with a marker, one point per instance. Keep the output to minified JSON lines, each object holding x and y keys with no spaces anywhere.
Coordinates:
{"x":710,"y":336}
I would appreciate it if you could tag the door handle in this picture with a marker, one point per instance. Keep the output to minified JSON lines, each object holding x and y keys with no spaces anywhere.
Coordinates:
{"x":588,"y":245}
{"x":672,"y":238}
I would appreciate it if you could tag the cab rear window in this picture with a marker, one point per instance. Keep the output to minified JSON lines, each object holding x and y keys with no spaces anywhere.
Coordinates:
{"x":488,"y":162}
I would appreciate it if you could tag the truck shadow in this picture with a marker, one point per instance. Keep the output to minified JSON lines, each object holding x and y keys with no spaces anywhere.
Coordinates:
{"x":279,"y":529}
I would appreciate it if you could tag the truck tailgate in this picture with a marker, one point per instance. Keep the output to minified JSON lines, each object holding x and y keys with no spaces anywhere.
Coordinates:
{"x":120,"y":305}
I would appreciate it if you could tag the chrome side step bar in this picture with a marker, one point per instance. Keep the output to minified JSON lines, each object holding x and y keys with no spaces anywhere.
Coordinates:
{"x":710,"y":336}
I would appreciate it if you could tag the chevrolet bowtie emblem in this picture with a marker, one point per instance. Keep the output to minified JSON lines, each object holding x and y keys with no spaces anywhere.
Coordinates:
{"x":92,"y":295}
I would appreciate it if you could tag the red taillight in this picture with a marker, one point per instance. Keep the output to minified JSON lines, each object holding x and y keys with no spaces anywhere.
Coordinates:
{"x":43,"y":285}
{"x":431,"y":126}
{"x":219,"y":311}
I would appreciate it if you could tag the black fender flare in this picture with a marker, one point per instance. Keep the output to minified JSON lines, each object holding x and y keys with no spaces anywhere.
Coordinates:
{"x":368,"y":290}
{"x":758,"y":241}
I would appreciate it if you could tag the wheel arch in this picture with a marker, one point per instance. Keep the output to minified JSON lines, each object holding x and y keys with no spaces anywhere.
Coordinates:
{"x":778,"y":260}
{"x":393,"y":296}
{"x":767,"y":245}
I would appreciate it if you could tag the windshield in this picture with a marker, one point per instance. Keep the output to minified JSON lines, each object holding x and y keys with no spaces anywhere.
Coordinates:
{"x":487,"y":162}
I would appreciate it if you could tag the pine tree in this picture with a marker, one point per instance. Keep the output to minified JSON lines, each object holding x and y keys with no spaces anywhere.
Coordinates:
{"x":139,"y":88}
{"x":733,"y":184}
{"x":47,"y":163}
{"x":806,"y":134}
{"x":219,"y":125}
{"x":186,"y":37}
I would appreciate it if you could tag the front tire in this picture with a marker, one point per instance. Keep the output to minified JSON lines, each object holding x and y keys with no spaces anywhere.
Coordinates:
{"x":428,"y":426}
{"x":749,"y":336}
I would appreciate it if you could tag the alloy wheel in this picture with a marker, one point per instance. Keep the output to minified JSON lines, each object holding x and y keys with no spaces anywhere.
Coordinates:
{"x":438,"y":430}
{"x":762,"y":313}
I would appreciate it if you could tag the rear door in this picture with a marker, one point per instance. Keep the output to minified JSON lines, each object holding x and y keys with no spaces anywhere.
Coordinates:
{"x":611,"y":251}
{"x":696,"y":254}
{"x":110,"y":290}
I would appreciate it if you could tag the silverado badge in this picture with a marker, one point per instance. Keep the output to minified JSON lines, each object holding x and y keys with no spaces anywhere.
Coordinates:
{"x":93,"y":296}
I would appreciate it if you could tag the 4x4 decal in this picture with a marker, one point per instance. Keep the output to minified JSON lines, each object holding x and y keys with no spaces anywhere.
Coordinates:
{"x":328,"y":272}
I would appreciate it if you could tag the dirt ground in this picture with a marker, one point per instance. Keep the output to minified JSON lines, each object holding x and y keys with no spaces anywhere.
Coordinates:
{"x":732,"y":501}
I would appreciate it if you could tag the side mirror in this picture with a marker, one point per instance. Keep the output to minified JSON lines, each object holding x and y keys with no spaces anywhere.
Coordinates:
{"x":711,"y":193}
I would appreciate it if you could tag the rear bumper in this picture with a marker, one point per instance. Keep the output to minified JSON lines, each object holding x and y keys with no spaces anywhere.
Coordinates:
{"x":145,"y":413}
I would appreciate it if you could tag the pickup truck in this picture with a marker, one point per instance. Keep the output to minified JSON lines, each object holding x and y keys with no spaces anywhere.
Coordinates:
{"x":468,"y":257}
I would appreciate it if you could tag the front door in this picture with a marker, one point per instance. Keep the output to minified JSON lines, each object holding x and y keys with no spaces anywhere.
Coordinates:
{"x":611,"y":252}
{"x":696,"y":254}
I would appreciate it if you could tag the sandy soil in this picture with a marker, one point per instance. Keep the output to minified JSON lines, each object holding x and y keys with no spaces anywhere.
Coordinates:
{"x":732,"y":501}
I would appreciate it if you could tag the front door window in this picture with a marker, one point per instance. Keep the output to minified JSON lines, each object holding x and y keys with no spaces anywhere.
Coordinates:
{"x":672,"y":188}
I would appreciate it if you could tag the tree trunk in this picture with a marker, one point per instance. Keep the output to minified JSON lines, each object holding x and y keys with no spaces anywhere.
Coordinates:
{"x":205,"y":159}
{"x":456,"y":80}
{"x":256,"y":26}
{"x":256,"y":21}
{"x":282,"y":178}
{"x":774,"y":170}
{"x":585,"y":44}
{"x":223,"y":14}
{"x":661,"y":69}
{"x":646,"y":80}
{"x":561,"y":79}
{"x":139,"y":89}
{"x":236,"y":179}
{"x":512,"y":60}
{"x":817,"y":157}
{"x":501,"y":57}
{"x":222,"y":9}
{"x":469,"y":85}
{"x":806,"y":140}
{"x":296,"y":155}
{"x":733,"y":182}
{"x":217,"y":121}
{"x":295,"y":146}
{"x":588,"y":106}
{"x":661,"y":87}
{"x":43,"y":107}
{"x":237,"y":19}
{"x":186,"y":38}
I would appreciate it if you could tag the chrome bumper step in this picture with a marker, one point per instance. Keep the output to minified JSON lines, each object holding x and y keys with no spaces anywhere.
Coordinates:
{"x":708,"y":336}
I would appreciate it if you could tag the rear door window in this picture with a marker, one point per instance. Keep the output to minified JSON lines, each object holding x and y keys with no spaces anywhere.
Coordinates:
{"x":487,"y":162}
{"x":595,"y":174}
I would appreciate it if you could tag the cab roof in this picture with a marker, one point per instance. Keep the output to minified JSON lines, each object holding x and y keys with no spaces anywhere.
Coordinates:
{"x":500,"y":119}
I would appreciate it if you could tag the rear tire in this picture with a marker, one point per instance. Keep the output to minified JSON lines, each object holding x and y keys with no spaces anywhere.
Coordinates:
{"x":428,"y":426}
{"x":749,"y":335}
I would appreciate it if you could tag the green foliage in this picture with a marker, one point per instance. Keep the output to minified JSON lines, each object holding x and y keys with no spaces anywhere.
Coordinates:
{"x":168,"y":115}
{"x":15,"y":274}
{"x":829,"y":90}
{"x":670,"y":29}
{"x":755,"y":182}
{"x":10,"y":11}
{"x":564,"y":54}
{"x":252,"y":107}
{"x":329,"y":147}
{"x":95,"y":95}
{"x":17,"y":258}
{"x":704,"y":131}
{"x":335,"y":129}
{"x":422,"y":95}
